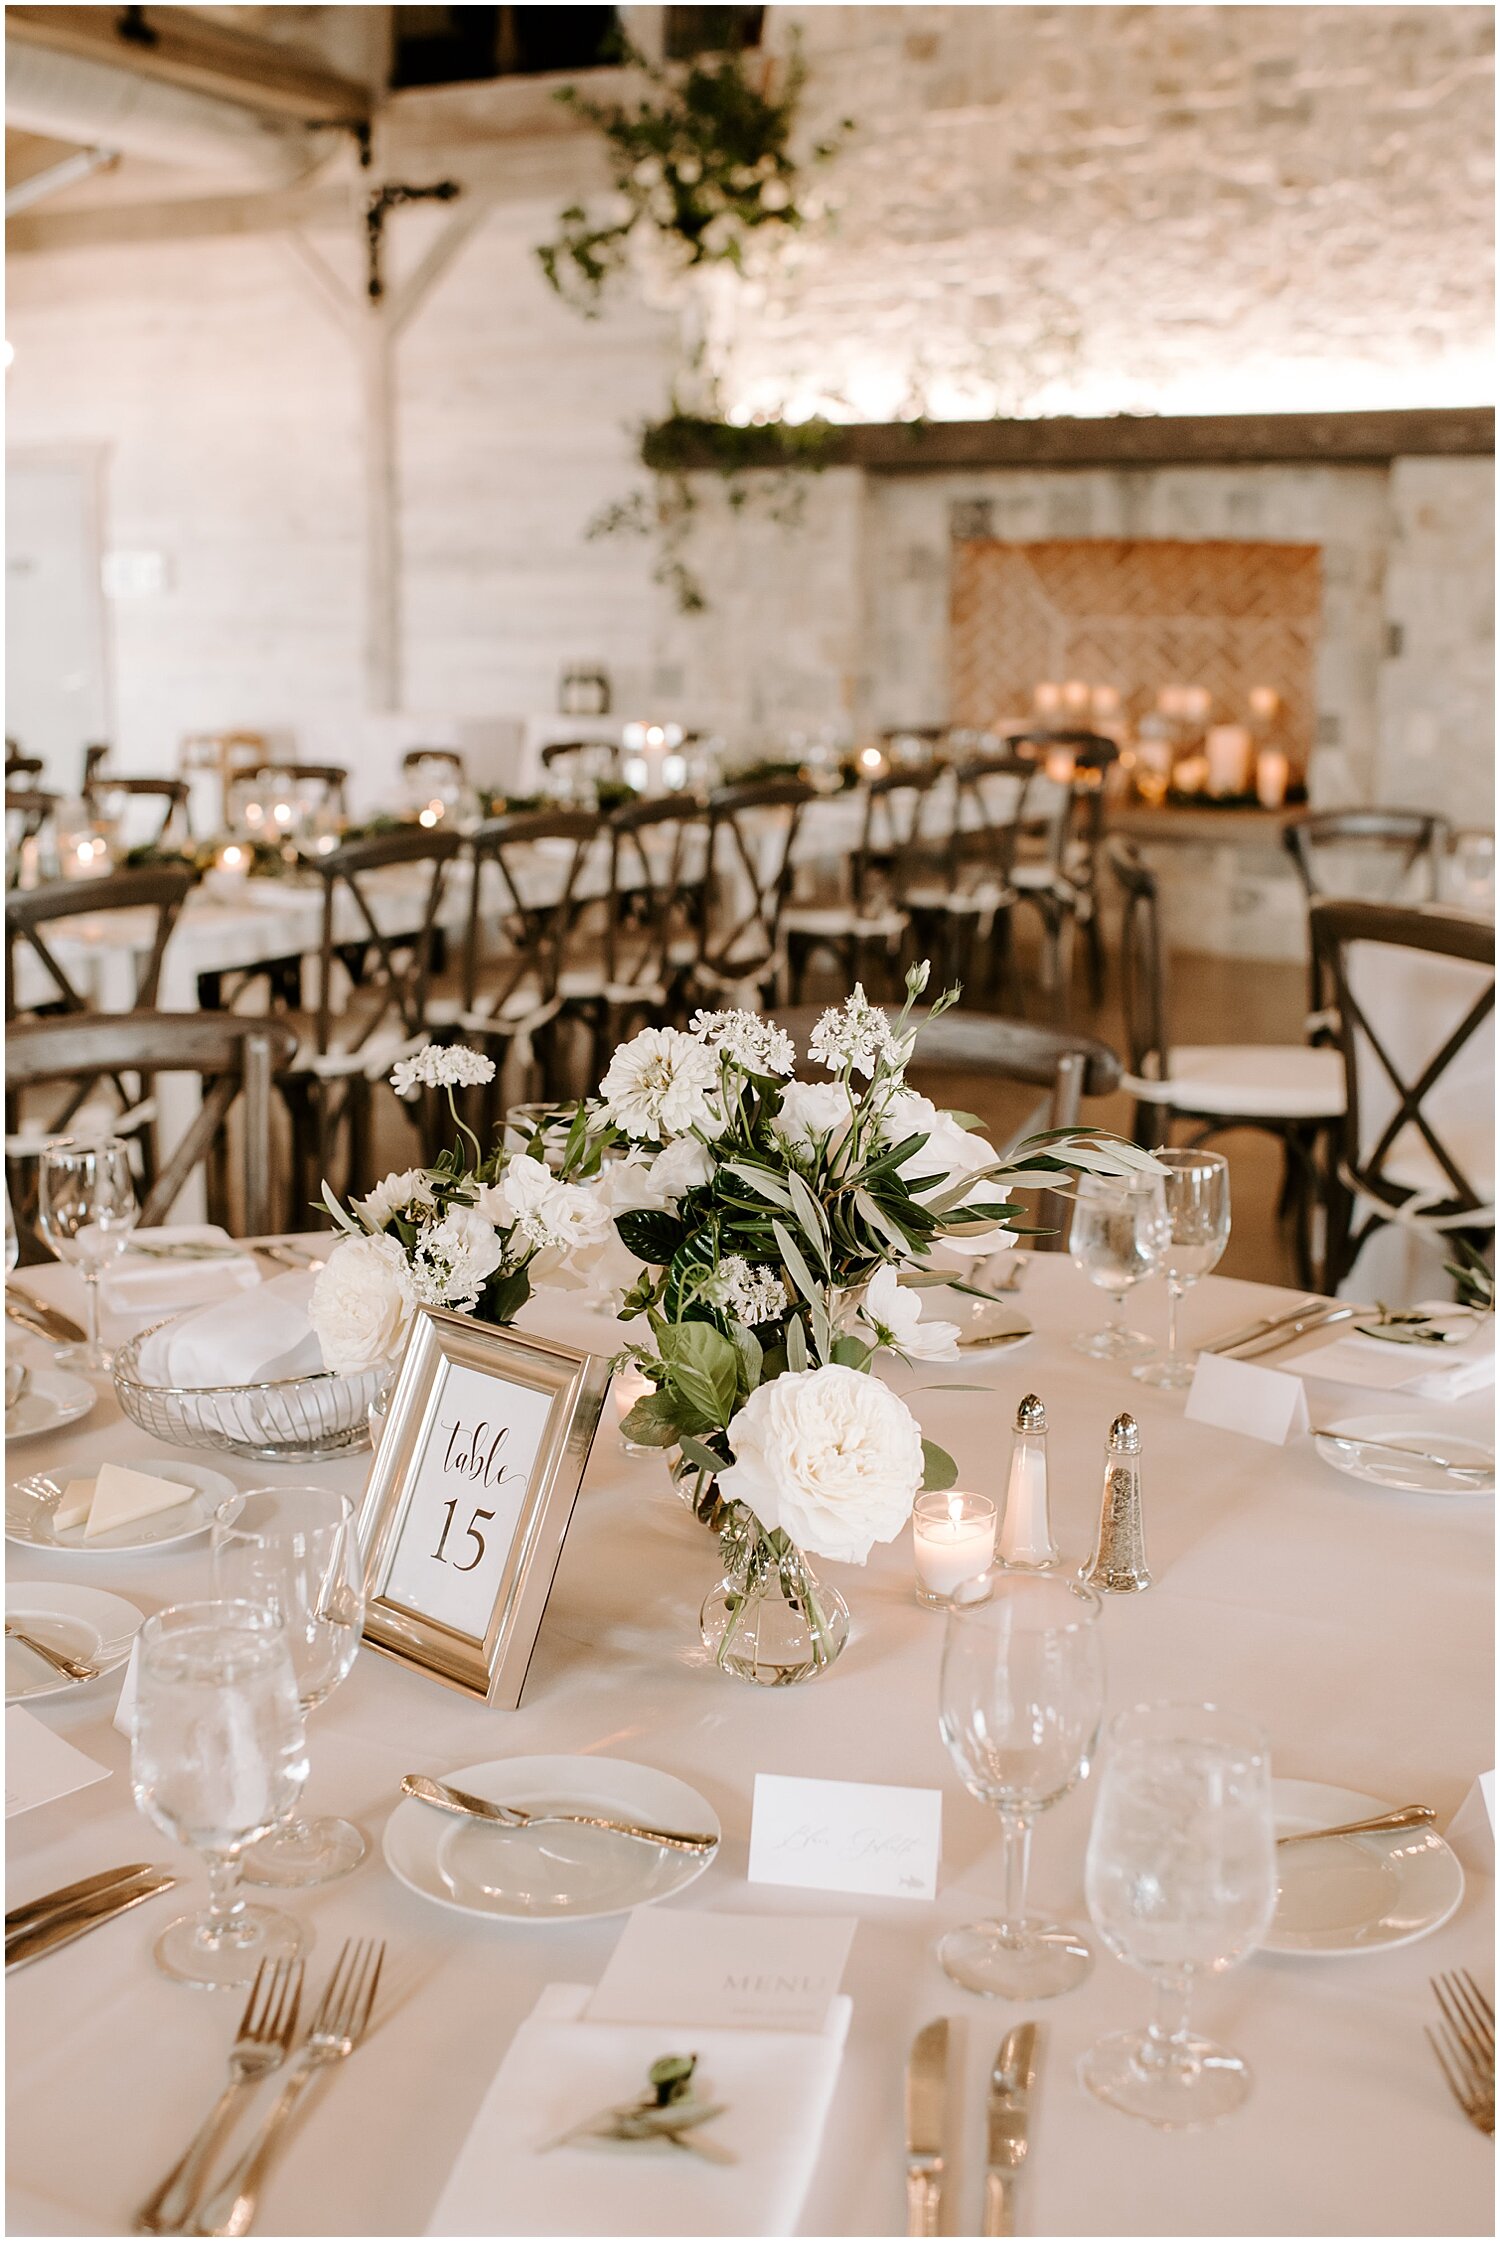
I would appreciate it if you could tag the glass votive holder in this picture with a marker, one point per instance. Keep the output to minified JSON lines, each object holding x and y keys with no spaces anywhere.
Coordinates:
{"x":629,"y":1386}
{"x":953,"y":1541}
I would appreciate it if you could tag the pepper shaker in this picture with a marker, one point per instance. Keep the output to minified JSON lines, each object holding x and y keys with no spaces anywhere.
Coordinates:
{"x":1026,"y":1536}
{"x":1118,"y":1564}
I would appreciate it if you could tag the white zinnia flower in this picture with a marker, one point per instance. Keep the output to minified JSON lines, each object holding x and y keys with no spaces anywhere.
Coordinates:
{"x":661,"y":1084}
{"x":452,"y":1261}
{"x":757,"y":1046}
{"x":831,"y":1458}
{"x":894,"y":1314}
{"x":813,"y":1110}
{"x":361,"y":1303}
{"x":398,"y":1194}
{"x":855,"y":1034}
{"x":441,"y":1067}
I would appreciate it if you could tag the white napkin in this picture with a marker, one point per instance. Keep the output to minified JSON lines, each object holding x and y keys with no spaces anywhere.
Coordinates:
{"x":150,"y":1284}
{"x":560,"y":2070}
{"x":1426,"y":1373}
{"x":260,"y":1334}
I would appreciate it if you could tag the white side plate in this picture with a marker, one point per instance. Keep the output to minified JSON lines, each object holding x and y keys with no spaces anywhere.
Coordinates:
{"x":30,"y":1522}
{"x":1382,"y":1467}
{"x":53,"y":1399}
{"x":1355,"y":1895}
{"x":81,"y":1622}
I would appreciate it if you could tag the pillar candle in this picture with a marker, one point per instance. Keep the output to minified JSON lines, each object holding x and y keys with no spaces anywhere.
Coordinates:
{"x":1272,"y":772}
{"x":1228,"y":759}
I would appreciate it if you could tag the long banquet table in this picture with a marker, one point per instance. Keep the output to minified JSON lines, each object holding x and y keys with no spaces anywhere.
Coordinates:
{"x":1354,"y":1624}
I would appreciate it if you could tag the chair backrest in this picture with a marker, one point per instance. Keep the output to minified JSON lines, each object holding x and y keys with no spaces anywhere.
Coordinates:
{"x":536,"y":915}
{"x":1377,"y":855}
{"x":992,"y":793}
{"x":556,"y":751}
{"x":752,"y":832}
{"x":28,"y":809}
{"x":332,"y":778}
{"x":95,"y":756}
{"x":398,"y":962}
{"x":21,"y":769}
{"x":159,"y":888}
{"x":658,"y":889}
{"x":1414,"y":990}
{"x":1143,"y":966}
{"x":109,"y":797}
{"x":236,"y":1057}
{"x":415,"y":757}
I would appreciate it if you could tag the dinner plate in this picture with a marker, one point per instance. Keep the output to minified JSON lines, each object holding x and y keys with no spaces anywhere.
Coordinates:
{"x":559,"y":1873}
{"x":1379,"y":1467}
{"x":29,"y":1521}
{"x":80,"y":1622}
{"x":54,"y":1398}
{"x":1355,"y":1895}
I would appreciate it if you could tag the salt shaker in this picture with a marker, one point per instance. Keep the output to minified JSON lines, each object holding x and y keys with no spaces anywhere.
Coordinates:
{"x":1026,"y":1536}
{"x":1118,"y":1564}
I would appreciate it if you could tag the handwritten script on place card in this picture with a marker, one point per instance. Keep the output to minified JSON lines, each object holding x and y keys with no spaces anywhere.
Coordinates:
{"x":1242,"y":1397}
{"x":846,"y":1837}
{"x":778,"y":1972}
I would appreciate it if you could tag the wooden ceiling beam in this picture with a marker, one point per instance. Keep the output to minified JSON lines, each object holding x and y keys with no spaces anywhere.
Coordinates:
{"x":182,"y":50}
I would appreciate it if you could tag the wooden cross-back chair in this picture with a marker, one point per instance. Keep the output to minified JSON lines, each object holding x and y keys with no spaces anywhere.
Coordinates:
{"x":558,"y":751}
{"x":109,"y":797}
{"x":1062,"y":880}
{"x":1417,"y":1145}
{"x":20,"y":769}
{"x":159,"y":888}
{"x":29,"y":810}
{"x":415,"y":757}
{"x":655,"y":926}
{"x":992,"y":789}
{"x":1361,"y":856}
{"x":332,"y":778}
{"x":898,"y":867}
{"x":237,"y":1060}
{"x":752,"y":831}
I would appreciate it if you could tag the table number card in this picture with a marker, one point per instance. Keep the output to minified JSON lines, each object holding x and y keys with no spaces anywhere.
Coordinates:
{"x":470,"y":1496}
{"x":846,"y":1837}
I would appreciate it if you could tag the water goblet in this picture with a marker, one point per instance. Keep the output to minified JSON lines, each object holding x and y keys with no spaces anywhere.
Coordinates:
{"x":1181,"y":1883}
{"x":218,"y":1756}
{"x":86,"y":1210}
{"x":1022,"y":1698}
{"x":1195,"y":1186}
{"x":293,"y":1552}
{"x":12,"y":1241}
{"x":1118,"y":1236}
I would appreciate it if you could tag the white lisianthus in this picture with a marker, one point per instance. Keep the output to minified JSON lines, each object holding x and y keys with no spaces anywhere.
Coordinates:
{"x":410,"y":1192}
{"x":812,"y":1110}
{"x":661,"y":1084}
{"x":952,"y":1153}
{"x":853,"y":1035}
{"x":755,"y":1045}
{"x":452,"y":1261}
{"x":830,"y":1457}
{"x":361,"y":1303}
{"x":681,"y":1167}
{"x":894,"y":1314}
{"x":544,"y":1211}
{"x":441,"y":1067}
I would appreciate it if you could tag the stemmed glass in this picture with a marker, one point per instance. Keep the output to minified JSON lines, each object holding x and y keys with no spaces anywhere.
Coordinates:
{"x":293,"y":1551}
{"x":1181,"y":1881}
{"x":12,"y":1241}
{"x":1196,"y":1189}
{"x":1022,"y":1698}
{"x":218,"y":1757}
{"x":86,"y":1210}
{"x":1118,"y":1237}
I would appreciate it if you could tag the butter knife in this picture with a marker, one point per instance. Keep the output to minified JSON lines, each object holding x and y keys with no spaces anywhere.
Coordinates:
{"x":1011,"y":2082}
{"x":926,"y":2105}
{"x":33,"y":1911}
{"x":454,"y":1801}
{"x":60,"y":1930}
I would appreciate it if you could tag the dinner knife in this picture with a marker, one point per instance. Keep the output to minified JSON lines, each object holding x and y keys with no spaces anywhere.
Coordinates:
{"x":1320,"y":1319}
{"x":32,"y":1911}
{"x":40,"y":1317}
{"x":60,"y":1930}
{"x":1260,"y":1329}
{"x":1009,"y":2116}
{"x":926,"y":2105}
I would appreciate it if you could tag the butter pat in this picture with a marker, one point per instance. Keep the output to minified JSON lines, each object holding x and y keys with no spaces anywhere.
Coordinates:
{"x":77,"y":1502}
{"x":121,"y":1497}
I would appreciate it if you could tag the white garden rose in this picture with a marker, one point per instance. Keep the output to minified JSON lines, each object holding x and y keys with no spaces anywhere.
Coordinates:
{"x":548,"y":1212}
{"x":361,"y":1303}
{"x":950,"y":1152}
{"x":831,"y":1458}
{"x":681,"y":1168}
{"x":813,"y":1109}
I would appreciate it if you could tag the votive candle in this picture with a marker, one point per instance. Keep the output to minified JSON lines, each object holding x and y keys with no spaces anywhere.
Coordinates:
{"x":1272,"y":773}
{"x":953,"y":1540}
{"x":629,"y":1386}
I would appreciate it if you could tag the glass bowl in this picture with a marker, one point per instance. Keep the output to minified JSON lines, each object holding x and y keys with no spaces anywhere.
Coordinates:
{"x":282,"y":1420}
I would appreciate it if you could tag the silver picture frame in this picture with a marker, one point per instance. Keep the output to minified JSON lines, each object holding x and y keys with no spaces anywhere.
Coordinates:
{"x":489,"y":1664}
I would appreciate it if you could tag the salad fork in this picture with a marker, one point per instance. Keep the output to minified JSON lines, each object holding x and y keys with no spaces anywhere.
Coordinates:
{"x":1464,"y":2044}
{"x":260,"y":2047}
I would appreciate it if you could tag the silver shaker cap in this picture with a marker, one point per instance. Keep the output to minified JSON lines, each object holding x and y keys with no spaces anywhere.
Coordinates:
{"x":1125,"y":1435}
{"x":1031,"y":1416}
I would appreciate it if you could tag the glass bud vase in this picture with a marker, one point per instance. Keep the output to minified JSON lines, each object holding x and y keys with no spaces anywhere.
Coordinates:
{"x":771,"y":1620}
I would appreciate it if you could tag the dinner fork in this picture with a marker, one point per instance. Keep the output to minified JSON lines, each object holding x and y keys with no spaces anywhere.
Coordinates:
{"x":76,"y":1669}
{"x":260,"y":2047}
{"x":1464,"y":2044}
{"x":342,"y":2019}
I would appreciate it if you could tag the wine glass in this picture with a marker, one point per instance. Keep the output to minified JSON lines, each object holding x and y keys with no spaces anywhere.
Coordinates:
{"x":12,"y":1241}
{"x":218,"y":1756}
{"x":293,"y":1552}
{"x":86,"y":1209}
{"x":1196,"y":1189}
{"x":1118,"y":1237}
{"x":1181,"y":1882}
{"x":1022,"y":1698}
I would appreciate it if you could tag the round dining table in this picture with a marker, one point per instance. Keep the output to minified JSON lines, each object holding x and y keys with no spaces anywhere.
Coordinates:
{"x":1352,"y":1623}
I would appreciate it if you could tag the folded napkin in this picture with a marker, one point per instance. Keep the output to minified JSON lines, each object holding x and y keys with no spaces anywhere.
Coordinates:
{"x":560,"y":2070}
{"x":1426,"y":1373}
{"x":151,"y":1278}
{"x":256,"y":1335}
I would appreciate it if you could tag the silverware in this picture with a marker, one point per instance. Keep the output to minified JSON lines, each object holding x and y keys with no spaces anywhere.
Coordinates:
{"x":342,"y":2019}
{"x":1298,"y":1328}
{"x":288,"y":1256}
{"x":40,"y":1317}
{"x":1400,"y":1817}
{"x":76,"y":1669}
{"x":61,"y":1929}
{"x":1246,"y":1332}
{"x":32,"y":1911}
{"x":453,"y":1801}
{"x":40,"y":1488}
{"x":1400,"y":1448}
{"x":926,"y":2103}
{"x":260,"y":2047}
{"x":1464,"y":2044}
{"x":1011,"y":2082}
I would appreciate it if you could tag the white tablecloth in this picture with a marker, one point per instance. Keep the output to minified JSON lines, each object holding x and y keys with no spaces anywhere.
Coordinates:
{"x":1355,"y":1625}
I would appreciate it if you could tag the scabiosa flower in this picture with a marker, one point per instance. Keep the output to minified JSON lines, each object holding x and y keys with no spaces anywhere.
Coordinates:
{"x":758,"y":1046}
{"x":854,"y":1034}
{"x":661,"y":1084}
{"x":441,"y":1067}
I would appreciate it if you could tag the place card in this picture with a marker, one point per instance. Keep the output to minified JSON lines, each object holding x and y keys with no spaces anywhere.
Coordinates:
{"x":1471,"y":1832}
{"x":846,"y":1837}
{"x":125,"y":1709}
{"x":777,"y":1972}
{"x":40,"y":1766}
{"x":1241,"y":1397}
